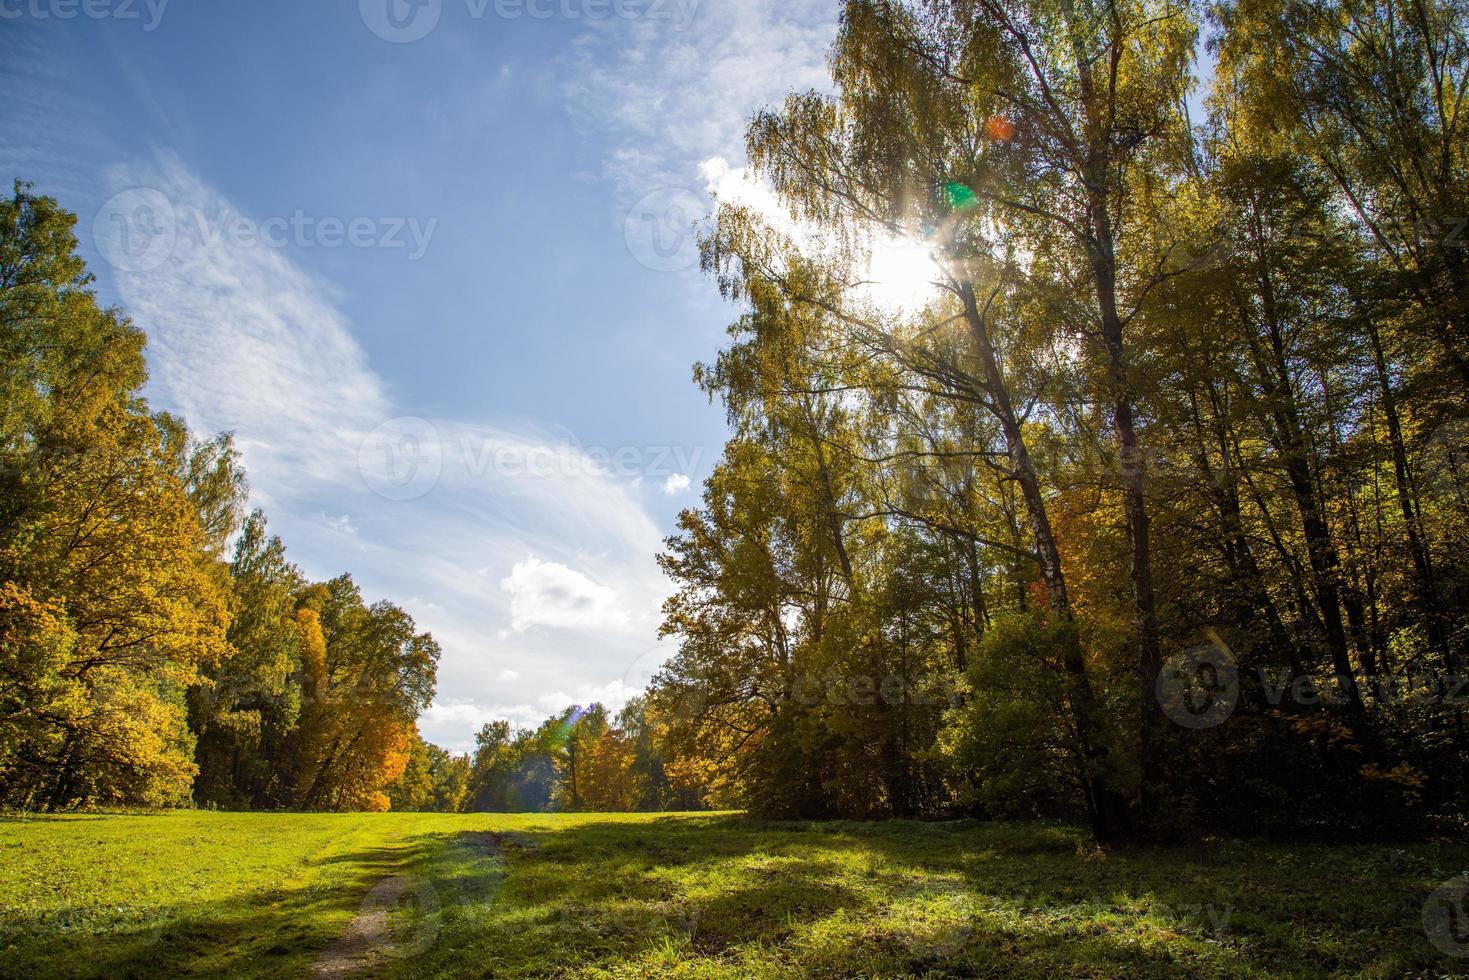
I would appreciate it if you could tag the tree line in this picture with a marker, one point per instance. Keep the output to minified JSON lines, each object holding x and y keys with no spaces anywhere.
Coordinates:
{"x":157,"y":648}
{"x":1157,"y":514}
{"x":580,"y":759}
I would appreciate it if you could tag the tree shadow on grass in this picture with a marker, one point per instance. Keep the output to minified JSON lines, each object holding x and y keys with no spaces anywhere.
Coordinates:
{"x":925,"y":899}
{"x":713,"y":893}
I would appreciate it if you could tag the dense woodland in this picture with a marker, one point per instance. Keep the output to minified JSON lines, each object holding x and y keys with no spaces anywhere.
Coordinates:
{"x":1192,"y":411}
{"x":1157,"y":517}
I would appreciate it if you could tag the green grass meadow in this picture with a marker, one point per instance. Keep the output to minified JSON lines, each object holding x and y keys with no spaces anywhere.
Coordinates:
{"x":698,"y":895}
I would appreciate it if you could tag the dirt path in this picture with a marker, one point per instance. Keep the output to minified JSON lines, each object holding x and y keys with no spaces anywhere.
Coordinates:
{"x":370,"y":938}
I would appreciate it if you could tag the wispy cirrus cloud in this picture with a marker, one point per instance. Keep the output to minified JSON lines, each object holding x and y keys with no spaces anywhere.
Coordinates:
{"x":529,"y":556}
{"x":669,"y":99}
{"x":676,"y":105}
{"x":515,"y":545}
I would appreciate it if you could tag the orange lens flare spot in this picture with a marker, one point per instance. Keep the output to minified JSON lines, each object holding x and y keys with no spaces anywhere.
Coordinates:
{"x":1000,"y":128}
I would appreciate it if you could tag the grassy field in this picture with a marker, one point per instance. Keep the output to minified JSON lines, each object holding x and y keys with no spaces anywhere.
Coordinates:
{"x":696,"y":895}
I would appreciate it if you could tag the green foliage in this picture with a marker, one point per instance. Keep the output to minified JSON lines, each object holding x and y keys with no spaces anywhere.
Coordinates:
{"x":112,"y":608}
{"x":1182,"y":383}
{"x":137,"y":666}
{"x":580,"y":759}
{"x":1010,"y":732}
{"x":375,"y":677}
{"x":414,"y":789}
{"x":248,"y":706}
{"x":449,"y":774}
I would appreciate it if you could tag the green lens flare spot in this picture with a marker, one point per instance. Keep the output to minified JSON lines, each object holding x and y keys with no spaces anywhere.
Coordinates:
{"x":961,"y":198}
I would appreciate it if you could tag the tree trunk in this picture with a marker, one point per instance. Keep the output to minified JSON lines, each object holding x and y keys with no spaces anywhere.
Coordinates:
{"x":1289,"y":442}
{"x":1422,"y":561}
{"x":1083,"y":702}
{"x":1134,"y":501}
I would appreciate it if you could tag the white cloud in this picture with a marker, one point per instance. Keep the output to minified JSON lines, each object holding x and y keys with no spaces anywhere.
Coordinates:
{"x":342,"y":524}
{"x":549,"y":594}
{"x":508,"y":675}
{"x":675,"y":484}
{"x":454,"y":724}
{"x":241,"y":337}
{"x":467,"y":714}
{"x":671,"y":98}
{"x":900,"y":272}
{"x":737,"y":185}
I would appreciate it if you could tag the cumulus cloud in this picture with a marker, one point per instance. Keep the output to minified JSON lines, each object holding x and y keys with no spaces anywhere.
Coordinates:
{"x":675,"y":484}
{"x":545,"y":593}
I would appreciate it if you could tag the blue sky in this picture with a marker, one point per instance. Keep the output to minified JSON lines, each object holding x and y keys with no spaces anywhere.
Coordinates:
{"x":439,"y":286}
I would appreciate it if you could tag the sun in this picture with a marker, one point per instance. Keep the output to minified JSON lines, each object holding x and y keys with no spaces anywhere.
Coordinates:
{"x":901,"y":274}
